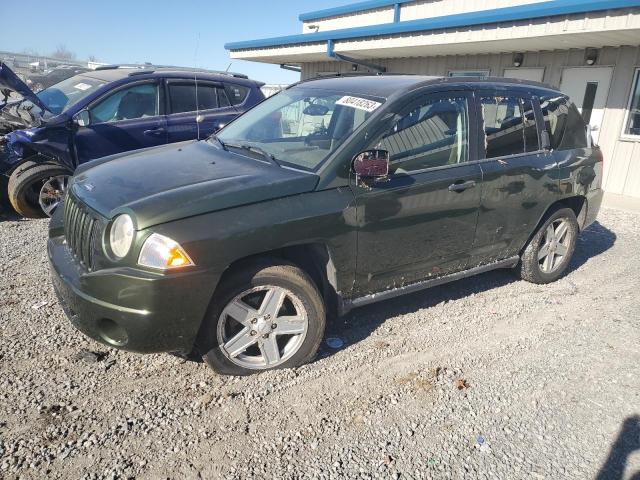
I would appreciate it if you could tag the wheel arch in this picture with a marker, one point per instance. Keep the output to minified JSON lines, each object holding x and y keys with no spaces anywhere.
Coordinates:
{"x":577,"y":203}
{"x":314,"y":259}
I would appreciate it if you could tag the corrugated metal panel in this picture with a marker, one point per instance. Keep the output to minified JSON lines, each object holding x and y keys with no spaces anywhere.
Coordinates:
{"x":359,"y":19}
{"x":438,"y":8}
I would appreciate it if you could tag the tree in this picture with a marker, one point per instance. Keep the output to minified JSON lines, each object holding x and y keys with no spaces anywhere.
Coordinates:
{"x":63,"y":53}
{"x":93,"y":58}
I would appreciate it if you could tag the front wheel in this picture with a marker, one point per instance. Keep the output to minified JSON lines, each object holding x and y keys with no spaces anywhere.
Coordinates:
{"x":265,"y":317}
{"x":547,"y":255}
{"x":35,"y":190}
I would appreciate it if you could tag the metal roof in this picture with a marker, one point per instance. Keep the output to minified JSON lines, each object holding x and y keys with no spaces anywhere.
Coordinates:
{"x":508,"y":14}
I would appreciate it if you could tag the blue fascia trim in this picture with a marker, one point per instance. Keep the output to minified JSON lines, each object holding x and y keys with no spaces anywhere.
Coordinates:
{"x":509,"y":14}
{"x":351,"y":8}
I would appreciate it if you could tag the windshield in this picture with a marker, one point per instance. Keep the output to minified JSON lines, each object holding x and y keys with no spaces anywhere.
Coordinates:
{"x":66,"y":93}
{"x":300,"y":127}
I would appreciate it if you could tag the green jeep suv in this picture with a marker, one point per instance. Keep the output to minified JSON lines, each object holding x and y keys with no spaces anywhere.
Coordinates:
{"x":333,"y":194}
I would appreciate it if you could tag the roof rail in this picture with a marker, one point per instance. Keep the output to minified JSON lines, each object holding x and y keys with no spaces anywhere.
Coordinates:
{"x":149,"y":67}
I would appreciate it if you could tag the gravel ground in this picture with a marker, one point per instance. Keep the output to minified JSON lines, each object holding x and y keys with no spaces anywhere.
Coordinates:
{"x":488,"y":377}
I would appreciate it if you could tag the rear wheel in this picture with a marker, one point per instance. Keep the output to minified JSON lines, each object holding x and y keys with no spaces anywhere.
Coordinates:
{"x":35,"y":190}
{"x":265,"y":317}
{"x":547,"y":255}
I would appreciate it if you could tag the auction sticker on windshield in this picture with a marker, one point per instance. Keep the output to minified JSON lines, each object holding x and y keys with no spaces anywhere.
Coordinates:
{"x":82,"y":86}
{"x":359,"y":103}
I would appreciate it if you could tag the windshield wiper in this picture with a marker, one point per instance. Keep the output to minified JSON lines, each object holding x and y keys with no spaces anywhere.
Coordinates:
{"x":250,"y":148}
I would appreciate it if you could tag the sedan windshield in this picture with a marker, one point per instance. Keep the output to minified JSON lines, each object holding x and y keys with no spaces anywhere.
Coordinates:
{"x":299,"y":127}
{"x":62,"y":95}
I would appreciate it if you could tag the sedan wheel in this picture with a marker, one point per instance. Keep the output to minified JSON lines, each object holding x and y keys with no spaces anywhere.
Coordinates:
{"x":548,"y":254}
{"x":52,"y":193}
{"x":262,"y":327}
{"x":557,"y":241}
{"x":263,"y":316}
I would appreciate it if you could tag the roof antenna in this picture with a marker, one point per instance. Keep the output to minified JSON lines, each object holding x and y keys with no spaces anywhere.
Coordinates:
{"x":195,"y":77}
{"x":228,"y":67}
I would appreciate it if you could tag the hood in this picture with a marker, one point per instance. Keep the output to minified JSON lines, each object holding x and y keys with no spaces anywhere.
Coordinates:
{"x":181,"y":180}
{"x":9,"y":81}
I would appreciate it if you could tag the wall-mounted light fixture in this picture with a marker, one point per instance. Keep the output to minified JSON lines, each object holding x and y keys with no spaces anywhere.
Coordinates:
{"x":354,"y":67}
{"x":591,"y":56}
{"x":518,"y":59}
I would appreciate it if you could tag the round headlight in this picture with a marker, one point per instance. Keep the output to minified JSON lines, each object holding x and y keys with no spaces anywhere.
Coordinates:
{"x":121,"y":236}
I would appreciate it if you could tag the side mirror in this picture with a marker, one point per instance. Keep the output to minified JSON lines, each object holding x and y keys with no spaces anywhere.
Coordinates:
{"x":371,"y":164}
{"x":546,"y":140}
{"x":82,"y":118}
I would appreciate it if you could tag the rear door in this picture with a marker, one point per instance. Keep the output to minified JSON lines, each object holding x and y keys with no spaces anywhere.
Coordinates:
{"x":196,"y":109}
{"x":520,"y":179}
{"x":421,"y":221}
{"x":128,"y":118}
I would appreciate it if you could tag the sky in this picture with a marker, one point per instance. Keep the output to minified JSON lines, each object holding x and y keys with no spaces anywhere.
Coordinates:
{"x":184,"y":33}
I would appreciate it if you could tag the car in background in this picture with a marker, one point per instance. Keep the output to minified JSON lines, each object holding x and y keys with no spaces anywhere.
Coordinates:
{"x":40,"y":81}
{"x":110,"y":110}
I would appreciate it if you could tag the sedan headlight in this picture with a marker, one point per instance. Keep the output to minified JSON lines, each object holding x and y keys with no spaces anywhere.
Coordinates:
{"x":163,"y":253}
{"x":121,"y":235}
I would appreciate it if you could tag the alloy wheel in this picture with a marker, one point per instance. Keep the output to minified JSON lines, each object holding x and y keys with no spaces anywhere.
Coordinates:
{"x":262,"y":327}
{"x":555,"y":246}
{"x":52,"y":192}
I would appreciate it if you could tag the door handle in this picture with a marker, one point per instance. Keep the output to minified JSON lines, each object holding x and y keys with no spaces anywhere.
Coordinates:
{"x":462,"y":186}
{"x":155,"y":131}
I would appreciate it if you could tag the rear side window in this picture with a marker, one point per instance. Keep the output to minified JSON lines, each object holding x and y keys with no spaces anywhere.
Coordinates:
{"x":566,"y":127}
{"x":509,"y":126}
{"x":184,"y":97}
{"x":236,"y":93}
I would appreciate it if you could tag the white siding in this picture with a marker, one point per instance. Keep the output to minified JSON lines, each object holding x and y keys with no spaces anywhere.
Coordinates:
{"x":622,"y":158}
{"x":439,"y":8}
{"x":359,"y":19}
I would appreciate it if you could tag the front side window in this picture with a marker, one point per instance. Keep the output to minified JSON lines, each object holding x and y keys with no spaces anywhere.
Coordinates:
{"x":434,"y":133}
{"x":632,"y":126}
{"x":300,"y":127}
{"x":138,"y":101}
{"x":185,"y":97}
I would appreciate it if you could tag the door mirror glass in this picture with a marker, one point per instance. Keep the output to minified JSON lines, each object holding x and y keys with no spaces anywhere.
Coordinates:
{"x":82,"y":118}
{"x":371,"y":164}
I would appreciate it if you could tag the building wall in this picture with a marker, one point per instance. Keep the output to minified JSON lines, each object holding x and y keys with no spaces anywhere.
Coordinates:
{"x":622,"y":157}
{"x":408,"y":11}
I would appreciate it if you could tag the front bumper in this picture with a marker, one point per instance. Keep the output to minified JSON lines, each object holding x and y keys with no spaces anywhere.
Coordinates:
{"x":131,"y":309}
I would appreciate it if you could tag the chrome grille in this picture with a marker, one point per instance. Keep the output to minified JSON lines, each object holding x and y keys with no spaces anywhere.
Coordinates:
{"x":81,"y":230}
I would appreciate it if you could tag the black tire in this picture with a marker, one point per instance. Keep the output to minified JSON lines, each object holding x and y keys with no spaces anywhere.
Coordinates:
{"x":25,"y":183}
{"x":262,"y":274}
{"x":530,"y":267}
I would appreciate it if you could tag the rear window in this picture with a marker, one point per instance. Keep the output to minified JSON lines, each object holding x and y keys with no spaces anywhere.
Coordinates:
{"x":566,"y":127}
{"x":236,"y":93}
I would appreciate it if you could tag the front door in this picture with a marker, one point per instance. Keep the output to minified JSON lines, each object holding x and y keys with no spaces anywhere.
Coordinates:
{"x":196,"y":109}
{"x":421,"y":221}
{"x":128,"y":119}
{"x":588,"y":88}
